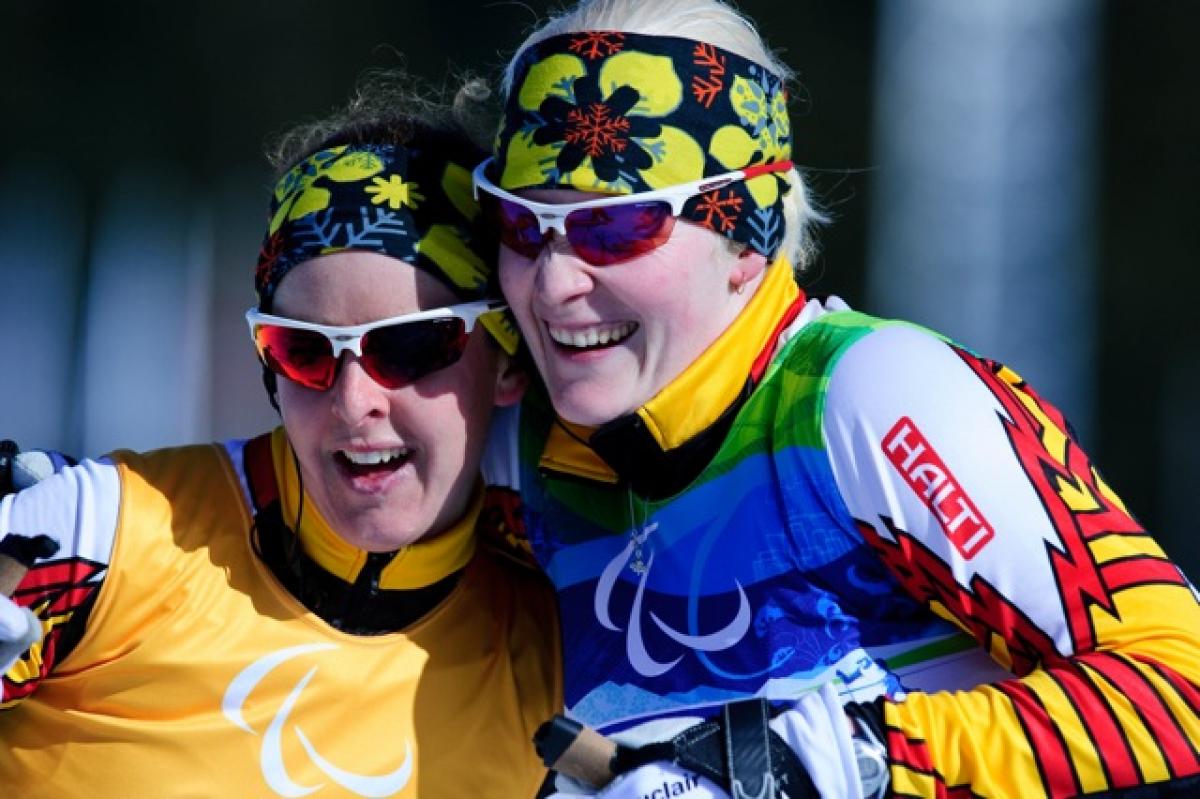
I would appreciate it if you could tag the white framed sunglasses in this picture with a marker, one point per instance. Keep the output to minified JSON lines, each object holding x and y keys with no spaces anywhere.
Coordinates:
{"x":394,"y":351}
{"x":606,"y":230}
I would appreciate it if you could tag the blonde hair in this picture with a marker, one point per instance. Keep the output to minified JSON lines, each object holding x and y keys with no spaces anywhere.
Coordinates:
{"x":709,"y":21}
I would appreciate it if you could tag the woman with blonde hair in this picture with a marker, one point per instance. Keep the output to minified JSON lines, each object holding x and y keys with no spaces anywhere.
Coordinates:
{"x":782,"y":532}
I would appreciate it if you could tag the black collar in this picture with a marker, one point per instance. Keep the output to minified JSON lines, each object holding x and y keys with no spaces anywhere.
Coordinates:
{"x":358,"y":608}
{"x":630,"y":449}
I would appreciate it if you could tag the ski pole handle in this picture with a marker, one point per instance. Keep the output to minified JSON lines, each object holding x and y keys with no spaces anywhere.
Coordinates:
{"x":576,"y":751}
{"x":12,"y":571}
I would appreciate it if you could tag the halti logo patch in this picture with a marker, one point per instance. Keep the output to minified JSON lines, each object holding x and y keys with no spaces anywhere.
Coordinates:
{"x":926,"y":474}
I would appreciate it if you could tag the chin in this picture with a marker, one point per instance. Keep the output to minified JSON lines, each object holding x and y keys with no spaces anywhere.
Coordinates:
{"x":589,"y":411}
{"x":381,"y":535}
{"x":387,"y":542}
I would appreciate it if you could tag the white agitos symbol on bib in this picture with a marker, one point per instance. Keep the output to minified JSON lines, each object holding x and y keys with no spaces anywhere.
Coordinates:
{"x":635,"y":645}
{"x":271,"y":753}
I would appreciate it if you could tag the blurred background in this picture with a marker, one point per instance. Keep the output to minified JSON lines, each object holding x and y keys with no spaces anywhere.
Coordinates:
{"x":1017,"y":174}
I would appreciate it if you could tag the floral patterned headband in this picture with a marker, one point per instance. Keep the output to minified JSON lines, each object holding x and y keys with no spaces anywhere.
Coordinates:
{"x":408,"y":203}
{"x":622,"y":113}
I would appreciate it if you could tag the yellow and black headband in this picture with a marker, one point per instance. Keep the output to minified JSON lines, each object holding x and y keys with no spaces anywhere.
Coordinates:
{"x":622,"y":113}
{"x":412,"y":203}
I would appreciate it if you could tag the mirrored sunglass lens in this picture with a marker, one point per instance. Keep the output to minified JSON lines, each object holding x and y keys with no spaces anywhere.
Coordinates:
{"x":400,"y":354}
{"x":519,"y":228}
{"x":615,"y":233}
{"x":304,"y":356}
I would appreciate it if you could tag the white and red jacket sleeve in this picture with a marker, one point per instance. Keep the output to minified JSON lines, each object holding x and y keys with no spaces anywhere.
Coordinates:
{"x":976,"y":494}
{"x":78,"y":508}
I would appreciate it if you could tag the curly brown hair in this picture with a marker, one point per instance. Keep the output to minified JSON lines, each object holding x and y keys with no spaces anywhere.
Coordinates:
{"x":394,"y":107}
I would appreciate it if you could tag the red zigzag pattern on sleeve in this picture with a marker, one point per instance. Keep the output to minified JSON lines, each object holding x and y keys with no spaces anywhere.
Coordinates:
{"x":1082,"y":585}
{"x":54,"y":591}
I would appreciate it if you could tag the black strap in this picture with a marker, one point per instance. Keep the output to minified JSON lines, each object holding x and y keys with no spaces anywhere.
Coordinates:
{"x":748,"y":750}
{"x":737,"y":751}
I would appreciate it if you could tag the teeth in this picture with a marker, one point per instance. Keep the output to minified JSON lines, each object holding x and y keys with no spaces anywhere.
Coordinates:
{"x":376,"y":457}
{"x":593,"y":335}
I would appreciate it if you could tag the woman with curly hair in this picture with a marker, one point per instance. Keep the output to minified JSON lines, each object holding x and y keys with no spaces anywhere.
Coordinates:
{"x":329,"y":608}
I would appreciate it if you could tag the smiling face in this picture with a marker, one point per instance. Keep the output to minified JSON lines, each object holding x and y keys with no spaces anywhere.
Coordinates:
{"x":387,"y":467}
{"x":606,"y":339}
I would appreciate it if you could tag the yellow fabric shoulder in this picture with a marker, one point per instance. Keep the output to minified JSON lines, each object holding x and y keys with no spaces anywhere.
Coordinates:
{"x":198,"y":672}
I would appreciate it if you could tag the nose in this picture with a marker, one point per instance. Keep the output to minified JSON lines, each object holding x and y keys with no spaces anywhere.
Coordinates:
{"x":561,"y":274}
{"x":356,"y":395}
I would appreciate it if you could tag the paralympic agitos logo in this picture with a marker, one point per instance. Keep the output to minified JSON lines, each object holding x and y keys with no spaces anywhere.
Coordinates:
{"x":271,"y":762}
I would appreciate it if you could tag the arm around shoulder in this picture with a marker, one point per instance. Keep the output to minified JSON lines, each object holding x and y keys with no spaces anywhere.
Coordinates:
{"x":975,"y":493}
{"x":56,"y":539}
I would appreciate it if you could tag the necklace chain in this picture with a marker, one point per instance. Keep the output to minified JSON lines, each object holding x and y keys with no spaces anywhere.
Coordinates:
{"x":638,"y":533}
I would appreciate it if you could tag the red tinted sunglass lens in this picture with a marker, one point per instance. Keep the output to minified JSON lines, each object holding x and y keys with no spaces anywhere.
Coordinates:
{"x":614,"y":233}
{"x":519,"y":229}
{"x":303,"y":356}
{"x":397,"y":355}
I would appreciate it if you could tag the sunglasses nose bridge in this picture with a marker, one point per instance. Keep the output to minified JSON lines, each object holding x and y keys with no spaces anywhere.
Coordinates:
{"x":343,"y":343}
{"x":548,"y":220}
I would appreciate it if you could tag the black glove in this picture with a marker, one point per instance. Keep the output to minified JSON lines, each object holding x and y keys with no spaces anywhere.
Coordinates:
{"x":737,"y":750}
{"x":729,"y":750}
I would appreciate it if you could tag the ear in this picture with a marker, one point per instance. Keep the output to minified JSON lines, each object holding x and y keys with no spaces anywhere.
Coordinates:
{"x":750,"y":264}
{"x":511,"y":381}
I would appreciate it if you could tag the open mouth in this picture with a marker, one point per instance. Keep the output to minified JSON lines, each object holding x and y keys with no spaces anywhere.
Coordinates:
{"x":592,"y":338}
{"x":375,"y":462}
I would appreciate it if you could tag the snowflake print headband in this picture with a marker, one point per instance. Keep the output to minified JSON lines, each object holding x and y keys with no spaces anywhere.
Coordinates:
{"x":408,"y":203}
{"x":624,"y":113}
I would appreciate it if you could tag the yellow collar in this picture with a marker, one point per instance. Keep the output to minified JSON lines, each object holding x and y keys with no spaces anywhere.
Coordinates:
{"x":695,"y":399}
{"x":414,"y":566}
